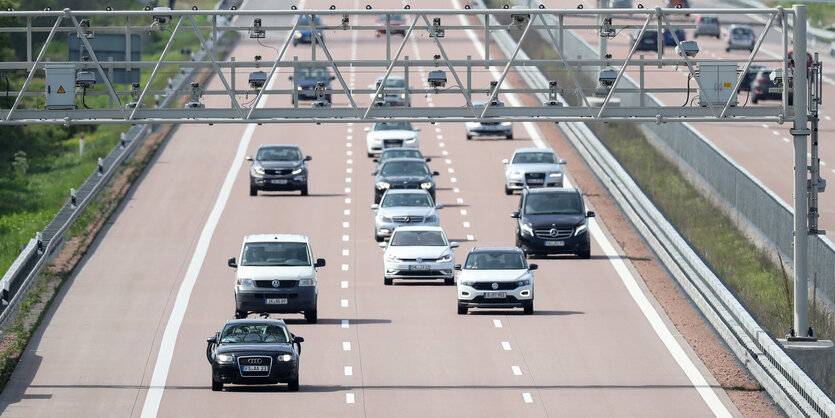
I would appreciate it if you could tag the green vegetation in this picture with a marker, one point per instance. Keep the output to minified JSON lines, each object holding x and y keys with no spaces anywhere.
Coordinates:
{"x":820,"y":15}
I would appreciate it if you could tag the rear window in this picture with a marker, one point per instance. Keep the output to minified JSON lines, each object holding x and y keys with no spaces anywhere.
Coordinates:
{"x":710,"y":20}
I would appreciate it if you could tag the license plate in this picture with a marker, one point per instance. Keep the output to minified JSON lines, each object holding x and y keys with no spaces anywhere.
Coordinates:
{"x":278,"y":181}
{"x":495,"y":295}
{"x":392,"y":145}
{"x":255,"y":368}
{"x":554,"y":243}
{"x":537,"y":181}
{"x":276,"y":301}
{"x":419,"y":267}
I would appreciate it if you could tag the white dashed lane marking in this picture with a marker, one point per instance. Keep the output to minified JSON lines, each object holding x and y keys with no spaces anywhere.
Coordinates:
{"x":346,"y":212}
{"x":345,"y":252}
{"x":470,"y":238}
{"x":347,"y":179}
{"x":453,"y":180}
{"x":345,"y":238}
{"x":344,"y":284}
{"x":450,"y":170}
{"x":345,"y":224}
{"x":506,"y":346}
{"x":349,"y":398}
{"x":527,"y":397}
{"x":448,"y":161}
{"x":344,"y":303}
{"x":456,"y":190}
{"x":349,"y":170}
{"x":346,"y":345}
{"x":344,"y":267}
{"x":347,"y":190}
{"x":775,"y":132}
{"x":497,"y":323}
{"x":459,"y":200}
{"x":347,"y":200}
{"x":344,"y":323}
{"x":348,"y":152}
{"x":444,"y":152}
{"x":349,"y":371}
{"x":464,"y":212}
{"x":466,"y":224}
{"x":516,"y":370}
{"x":786,"y":139}
{"x":350,"y":161}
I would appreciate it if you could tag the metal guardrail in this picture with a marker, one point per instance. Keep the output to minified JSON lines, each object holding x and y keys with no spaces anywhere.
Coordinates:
{"x":788,"y":385}
{"x":20,"y":276}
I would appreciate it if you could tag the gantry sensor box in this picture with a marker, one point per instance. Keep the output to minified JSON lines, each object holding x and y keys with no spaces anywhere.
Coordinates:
{"x":60,"y":86}
{"x":717,"y":80}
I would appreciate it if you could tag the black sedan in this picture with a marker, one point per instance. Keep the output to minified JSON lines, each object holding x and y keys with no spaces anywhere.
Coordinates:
{"x":403,"y":173}
{"x":254,"y":352}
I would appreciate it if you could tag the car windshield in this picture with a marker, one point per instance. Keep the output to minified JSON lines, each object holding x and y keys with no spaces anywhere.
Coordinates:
{"x":418,"y":239}
{"x":553,"y":203}
{"x":400,"y":153}
{"x":279,"y":154}
{"x":405,"y":168}
{"x":420,"y":200}
{"x":393,"y":126}
{"x":495,"y":260}
{"x":534,"y":158}
{"x":254,"y":333}
{"x":275,"y":254}
{"x":303,"y":21}
{"x":393,"y":82}
{"x":313,"y":73}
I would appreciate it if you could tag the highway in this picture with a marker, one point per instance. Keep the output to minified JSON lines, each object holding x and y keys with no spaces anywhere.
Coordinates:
{"x":127,"y":334}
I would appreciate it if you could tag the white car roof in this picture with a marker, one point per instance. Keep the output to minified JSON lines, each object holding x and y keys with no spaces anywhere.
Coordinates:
{"x":276,"y":238}
{"x":533,"y":149}
{"x":419,"y":228}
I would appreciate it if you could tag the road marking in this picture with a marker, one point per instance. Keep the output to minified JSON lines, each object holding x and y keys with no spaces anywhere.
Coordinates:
{"x":506,"y":346}
{"x":439,"y":136}
{"x":464,"y":212}
{"x":344,"y":323}
{"x":470,"y":238}
{"x":346,"y":345}
{"x":453,"y":179}
{"x":823,"y":163}
{"x":456,"y":190}
{"x":349,"y":144}
{"x":345,"y":252}
{"x":516,"y":370}
{"x":344,"y":267}
{"x":448,"y":161}
{"x":466,"y":224}
{"x":349,"y":397}
{"x":775,"y":132}
{"x":441,"y":144}
{"x":786,"y":139}
{"x":344,"y":284}
{"x":346,"y":212}
{"x":497,"y":323}
{"x":344,"y":303}
{"x":350,"y":161}
{"x":348,"y":138}
{"x":350,"y":130}
{"x":438,"y":130}
{"x":765,"y":126}
{"x":444,"y":152}
{"x":344,"y":238}
{"x":349,"y":152}
{"x":450,"y":170}
{"x":347,"y":190}
{"x":827,"y":118}
{"x":345,"y":224}
{"x":459,"y":200}
{"x":347,"y":179}
{"x":349,"y":170}
{"x":349,"y":371}
{"x":347,"y":200}
{"x":527,"y":397}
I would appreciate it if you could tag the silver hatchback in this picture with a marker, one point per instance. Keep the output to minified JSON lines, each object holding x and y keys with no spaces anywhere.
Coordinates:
{"x":404,"y":207}
{"x":533,"y":167}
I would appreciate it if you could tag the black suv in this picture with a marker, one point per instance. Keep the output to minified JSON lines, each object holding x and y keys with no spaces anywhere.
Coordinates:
{"x":306,"y":80}
{"x":278,"y":168}
{"x":553,"y":220}
{"x":403,"y":173}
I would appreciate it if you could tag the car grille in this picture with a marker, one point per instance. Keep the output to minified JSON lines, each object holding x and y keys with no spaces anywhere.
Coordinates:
{"x":278,"y":171}
{"x":489,"y":286}
{"x":392,"y":143}
{"x":407,"y":219}
{"x":562,"y":233}
{"x":255,"y":361}
{"x":414,"y":260}
{"x":405,"y":186}
{"x":481,"y":299}
{"x":535,"y":178}
{"x":274,"y":295}
{"x":281,"y":283}
{"x":421,"y":273}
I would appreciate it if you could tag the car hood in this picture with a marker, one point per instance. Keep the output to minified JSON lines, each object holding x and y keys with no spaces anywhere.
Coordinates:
{"x":275,"y":272}
{"x":404,"y":179}
{"x":393,"y":134}
{"x":554,"y":220}
{"x":406,"y":211}
{"x":279,"y":164}
{"x":491,"y":275}
{"x":240,"y":348}
{"x":534,"y":167}
{"x":415,"y":252}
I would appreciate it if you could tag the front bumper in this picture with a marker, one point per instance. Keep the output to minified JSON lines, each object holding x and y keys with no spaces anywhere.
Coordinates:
{"x":520,"y":183}
{"x":278,"y":183}
{"x":298,"y":299}
{"x":376,"y":147}
{"x":280,"y":372}
{"x":510,"y":298}
{"x":572,"y":245}
{"x":384,"y":229}
{"x":415,"y":270}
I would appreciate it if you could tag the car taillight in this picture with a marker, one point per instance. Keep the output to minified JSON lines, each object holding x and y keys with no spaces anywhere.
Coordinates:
{"x":762,"y":80}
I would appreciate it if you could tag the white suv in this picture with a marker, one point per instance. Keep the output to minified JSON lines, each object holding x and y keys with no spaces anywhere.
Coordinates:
{"x":495,"y":278}
{"x":418,"y":252}
{"x":276,"y":274}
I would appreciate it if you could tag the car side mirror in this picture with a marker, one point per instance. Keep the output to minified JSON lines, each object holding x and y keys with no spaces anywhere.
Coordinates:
{"x":320,"y":262}
{"x":308,"y":158}
{"x":382,"y":244}
{"x":297,"y":340}
{"x":505,"y":161}
{"x":248,"y":158}
{"x":439,"y":206}
{"x":375,"y":206}
{"x":367,"y":128}
{"x":563,"y":162}
{"x":333,"y":77}
{"x":457,"y":267}
{"x":590,"y":214}
{"x":514,"y":215}
{"x":454,"y":244}
{"x":533,"y":266}
{"x":435,"y":173}
{"x":212,"y":339}
{"x":428,"y":159}
{"x":376,"y":160}
{"x":231,"y":262}
{"x":374,"y":173}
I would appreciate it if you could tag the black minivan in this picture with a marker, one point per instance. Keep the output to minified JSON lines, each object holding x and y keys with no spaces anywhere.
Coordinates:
{"x":553,"y":220}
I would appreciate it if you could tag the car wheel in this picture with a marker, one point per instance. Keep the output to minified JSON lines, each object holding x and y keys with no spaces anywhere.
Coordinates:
{"x":240,"y":314}
{"x":378,"y":238}
{"x":727,"y":49}
{"x":304,"y":190}
{"x":585,"y":254}
{"x":507,"y":191}
{"x":754,"y":99}
{"x":696,"y":35}
{"x":509,"y":136}
{"x":518,"y":241}
{"x":253,"y":191}
{"x":387,"y":281}
{"x":528,"y":307}
{"x":469,"y":137}
{"x":293,"y":385}
{"x":462,"y":309}
{"x":216,"y":386}
{"x":311,"y":316}
{"x":449,"y":282}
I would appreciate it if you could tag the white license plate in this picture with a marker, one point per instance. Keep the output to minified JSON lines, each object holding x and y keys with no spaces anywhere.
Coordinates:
{"x":554,"y":243}
{"x":495,"y":295}
{"x":419,"y":267}
{"x":278,"y":181}
{"x":538,"y":181}
{"x":255,"y":368}
{"x":276,"y":301}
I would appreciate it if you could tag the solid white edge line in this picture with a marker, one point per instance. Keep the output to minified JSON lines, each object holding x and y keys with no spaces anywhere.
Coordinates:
{"x":681,"y":358}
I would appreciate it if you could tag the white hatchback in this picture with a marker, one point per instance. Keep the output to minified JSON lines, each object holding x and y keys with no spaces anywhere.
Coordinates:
{"x":418,"y":252}
{"x":495,"y":278}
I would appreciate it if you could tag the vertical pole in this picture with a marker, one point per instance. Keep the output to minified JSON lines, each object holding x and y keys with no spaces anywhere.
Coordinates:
{"x":28,"y":39}
{"x":602,"y":40}
{"x":800,"y":130}
{"x":127,"y":44}
{"x":641,"y":99}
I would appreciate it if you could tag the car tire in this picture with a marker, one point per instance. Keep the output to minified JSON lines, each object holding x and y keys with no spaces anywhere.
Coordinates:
{"x":509,"y":137}
{"x":304,"y":190}
{"x":387,"y":281}
{"x":240,"y":314}
{"x":293,"y":385}
{"x":378,"y":238}
{"x":469,"y":137}
{"x":585,"y":254}
{"x":216,"y":386}
{"x":727,"y":49}
{"x":507,"y":191}
{"x":695,"y":35}
{"x":449,"y":282}
{"x":462,"y":309}
{"x":754,"y":99}
{"x":518,"y":241}
{"x":528,"y":308}
{"x":311,"y":316}
{"x":253,"y":191}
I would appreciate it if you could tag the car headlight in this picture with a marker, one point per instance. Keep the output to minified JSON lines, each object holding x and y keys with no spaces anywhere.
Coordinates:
{"x":411,"y":140}
{"x":307,"y":282}
{"x":527,"y":229}
{"x":298,"y":170}
{"x":385,"y":218}
{"x":467,"y":283}
{"x":298,"y":35}
{"x":580,"y":229}
{"x":515,"y":174}
{"x":284,"y":357}
{"x":505,"y":123}
{"x":445,"y":257}
{"x":431,"y":218}
{"x":383,"y":185}
{"x":426,"y":185}
{"x":299,"y":88}
{"x":225,"y":358}
{"x":403,"y":96}
{"x":392,"y":258}
{"x":523,"y":282}
{"x":555,"y":175}
{"x":245,"y":283}
{"x":258,"y":169}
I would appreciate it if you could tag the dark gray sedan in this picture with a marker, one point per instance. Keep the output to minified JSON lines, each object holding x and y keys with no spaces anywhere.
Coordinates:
{"x":278,"y":168}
